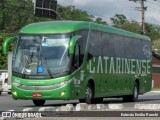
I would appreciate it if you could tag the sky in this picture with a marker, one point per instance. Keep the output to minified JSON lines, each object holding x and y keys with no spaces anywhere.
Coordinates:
{"x":108,"y":8}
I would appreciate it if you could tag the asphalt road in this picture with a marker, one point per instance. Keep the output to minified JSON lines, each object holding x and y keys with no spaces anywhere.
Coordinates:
{"x":7,"y":103}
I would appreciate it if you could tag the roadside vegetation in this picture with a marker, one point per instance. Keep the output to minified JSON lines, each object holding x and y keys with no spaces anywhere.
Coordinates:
{"x":15,"y":14}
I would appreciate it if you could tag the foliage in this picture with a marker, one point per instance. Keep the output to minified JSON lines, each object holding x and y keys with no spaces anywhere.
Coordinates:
{"x":100,"y":21}
{"x":71,"y":13}
{"x":156,"y":45}
{"x":120,"y":21}
{"x":153,"y":31}
{"x":15,"y":14}
{"x":3,"y":58}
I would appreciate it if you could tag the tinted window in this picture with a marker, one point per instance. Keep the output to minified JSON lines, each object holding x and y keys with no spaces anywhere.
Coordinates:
{"x":138,"y":43}
{"x":82,"y":42}
{"x":129,"y":47}
{"x":147,"y":49}
{"x":95,"y":44}
{"x":118,"y":45}
{"x":107,"y":44}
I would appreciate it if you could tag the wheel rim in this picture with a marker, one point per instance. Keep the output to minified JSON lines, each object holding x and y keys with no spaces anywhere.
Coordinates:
{"x":88,"y":94}
{"x":135,"y":92}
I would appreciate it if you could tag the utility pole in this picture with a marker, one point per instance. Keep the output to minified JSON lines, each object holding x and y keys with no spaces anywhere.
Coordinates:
{"x":143,"y":22}
{"x":142,"y":9}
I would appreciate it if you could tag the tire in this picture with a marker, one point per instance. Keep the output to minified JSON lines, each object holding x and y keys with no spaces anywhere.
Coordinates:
{"x":134,"y":96}
{"x":0,"y":93}
{"x":39,"y":102}
{"x":88,"y":96}
{"x":135,"y":93}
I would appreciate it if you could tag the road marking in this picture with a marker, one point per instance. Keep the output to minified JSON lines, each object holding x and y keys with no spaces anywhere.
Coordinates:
{"x":27,"y":109}
{"x":11,"y":110}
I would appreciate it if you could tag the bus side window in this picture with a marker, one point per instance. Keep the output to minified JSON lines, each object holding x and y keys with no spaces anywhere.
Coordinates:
{"x":77,"y":57}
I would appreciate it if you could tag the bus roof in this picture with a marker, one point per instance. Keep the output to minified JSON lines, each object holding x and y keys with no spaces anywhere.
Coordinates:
{"x":71,"y":26}
{"x":54,"y":27}
{"x":118,"y":31}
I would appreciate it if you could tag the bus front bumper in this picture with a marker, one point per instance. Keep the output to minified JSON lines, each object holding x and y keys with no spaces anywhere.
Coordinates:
{"x":61,"y":93}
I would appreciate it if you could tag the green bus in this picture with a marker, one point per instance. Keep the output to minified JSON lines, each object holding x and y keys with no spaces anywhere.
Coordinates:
{"x":66,"y":60}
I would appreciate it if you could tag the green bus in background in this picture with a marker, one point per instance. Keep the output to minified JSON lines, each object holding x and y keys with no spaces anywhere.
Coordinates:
{"x":65,"y":60}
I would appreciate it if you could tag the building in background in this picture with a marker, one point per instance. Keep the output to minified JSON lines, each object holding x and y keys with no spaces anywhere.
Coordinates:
{"x":156,"y":69}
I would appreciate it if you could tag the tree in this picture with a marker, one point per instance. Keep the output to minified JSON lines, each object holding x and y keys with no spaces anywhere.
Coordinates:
{"x":3,"y":58}
{"x":118,"y":20}
{"x":15,"y":14}
{"x":156,"y":44}
{"x":153,"y":31}
{"x":100,"y":21}
{"x":71,"y":13}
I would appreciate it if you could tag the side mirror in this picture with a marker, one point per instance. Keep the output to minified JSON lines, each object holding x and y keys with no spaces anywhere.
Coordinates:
{"x":72,"y":44}
{"x":6,"y":42}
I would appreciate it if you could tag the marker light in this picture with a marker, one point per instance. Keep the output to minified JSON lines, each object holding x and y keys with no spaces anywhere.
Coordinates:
{"x":14,"y":83}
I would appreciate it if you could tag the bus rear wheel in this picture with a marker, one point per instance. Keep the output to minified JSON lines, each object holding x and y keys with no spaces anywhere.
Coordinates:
{"x":134,"y":96}
{"x":39,"y":102}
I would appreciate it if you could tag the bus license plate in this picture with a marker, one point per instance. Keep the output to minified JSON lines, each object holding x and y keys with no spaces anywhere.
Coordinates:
{"x":36,"y":94}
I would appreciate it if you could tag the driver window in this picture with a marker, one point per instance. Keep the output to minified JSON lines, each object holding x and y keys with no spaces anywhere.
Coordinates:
{"x":77,"y":57}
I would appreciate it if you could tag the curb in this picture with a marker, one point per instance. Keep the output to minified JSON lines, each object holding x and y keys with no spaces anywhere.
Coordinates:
{"x":147,"y":106}
{"x":115,"y":106}
{"x":155,"y":91}
{"x":46,"y":109}
{"x":1,"y":118}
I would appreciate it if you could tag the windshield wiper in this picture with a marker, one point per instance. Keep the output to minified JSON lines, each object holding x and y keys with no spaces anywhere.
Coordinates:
{"x":46,"y":65}
{"x":43,"y":59}
{"x":24,"y":70}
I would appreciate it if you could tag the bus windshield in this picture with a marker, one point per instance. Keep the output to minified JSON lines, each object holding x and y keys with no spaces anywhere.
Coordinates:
{"x":41,"y":55}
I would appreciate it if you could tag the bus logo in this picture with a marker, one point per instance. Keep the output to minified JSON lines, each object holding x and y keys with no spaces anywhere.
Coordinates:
{"x":36,"y":87}
{"x":147,"y":51}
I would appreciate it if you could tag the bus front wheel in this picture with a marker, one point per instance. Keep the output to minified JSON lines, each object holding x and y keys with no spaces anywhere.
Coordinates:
{"x":39,"y":102}
{"x":88,"y":95}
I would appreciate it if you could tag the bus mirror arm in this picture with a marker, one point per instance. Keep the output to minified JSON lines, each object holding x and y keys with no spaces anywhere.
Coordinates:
{"x":6,"y":42}
{"x":72,"y":44}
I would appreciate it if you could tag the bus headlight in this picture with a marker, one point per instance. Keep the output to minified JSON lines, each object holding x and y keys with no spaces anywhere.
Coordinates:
{"x":14,"y":83}
{"x":61,"y":84}
{"x":15,"y":93}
